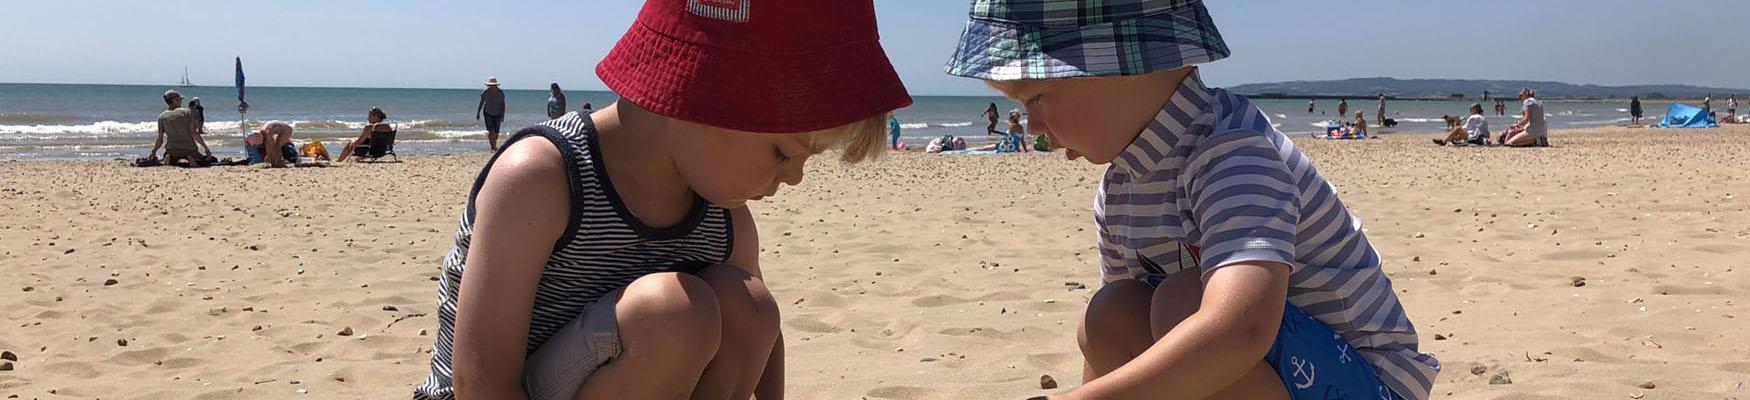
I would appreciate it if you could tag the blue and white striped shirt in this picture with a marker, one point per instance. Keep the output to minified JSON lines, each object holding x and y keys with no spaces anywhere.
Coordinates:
{"x":1210,"y":177}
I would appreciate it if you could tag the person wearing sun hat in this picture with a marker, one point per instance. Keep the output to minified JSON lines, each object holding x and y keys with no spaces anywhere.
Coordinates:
{"x":1231,"y":269}
{"x":492,"y":106}
{"x":613,"y":254}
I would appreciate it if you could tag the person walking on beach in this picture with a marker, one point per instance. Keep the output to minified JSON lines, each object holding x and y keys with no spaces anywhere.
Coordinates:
{"x":893,"y":132}
{"x":492,"y":106}
{"x":1230,"y":268}
{"x":1732,"y":108}
{"x":555,"y":102}
{"x":1380,"y":116}
{"x":178,"y":136}
{"x":1634,"y":111}
{"x":1342,"y":108}
{"x":992,"y":113}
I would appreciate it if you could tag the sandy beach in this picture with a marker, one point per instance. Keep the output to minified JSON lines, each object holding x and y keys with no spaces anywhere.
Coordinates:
{"x":1610,"y":266}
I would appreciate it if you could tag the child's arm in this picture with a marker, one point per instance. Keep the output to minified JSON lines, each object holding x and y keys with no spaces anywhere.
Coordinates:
{"x":746,"y":255}
{"x":1245,"y":200}
{"x":157,"y":143}
{"x":1227,"y":337}
{"x":520,"y":212}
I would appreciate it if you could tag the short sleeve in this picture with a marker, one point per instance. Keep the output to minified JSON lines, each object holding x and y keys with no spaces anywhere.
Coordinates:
{"x":1112,"y":264}
{"x":1244,"y":200}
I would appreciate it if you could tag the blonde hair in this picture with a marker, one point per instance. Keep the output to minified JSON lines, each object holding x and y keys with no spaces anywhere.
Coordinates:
{"x":1526,"y":93}
{"x":860,"y":141}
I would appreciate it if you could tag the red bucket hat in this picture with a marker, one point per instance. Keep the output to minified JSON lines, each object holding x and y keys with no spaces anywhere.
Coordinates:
{"x":768,"y":66}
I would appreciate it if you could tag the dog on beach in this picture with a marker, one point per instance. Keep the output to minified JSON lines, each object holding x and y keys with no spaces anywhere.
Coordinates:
{"x":1451,"y":121}
{"x":1391,"y":122}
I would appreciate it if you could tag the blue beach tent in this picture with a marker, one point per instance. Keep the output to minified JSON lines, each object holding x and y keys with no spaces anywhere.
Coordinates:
{"x":1684,"y":116}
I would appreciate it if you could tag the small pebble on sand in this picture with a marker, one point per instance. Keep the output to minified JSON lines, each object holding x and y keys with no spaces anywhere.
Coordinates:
{"x":110,"y":282}
{"x":347,"y":331}
{"x":1047,"y":383}
{"x":1500,"y":379}
{"x":1647,"y":385}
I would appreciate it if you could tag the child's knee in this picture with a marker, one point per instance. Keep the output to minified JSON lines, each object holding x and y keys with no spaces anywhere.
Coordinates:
{"x":1175,"y":300}
{"x":1115,"y":310}
{"x":680,"y":308}
{"x":747,"y":306}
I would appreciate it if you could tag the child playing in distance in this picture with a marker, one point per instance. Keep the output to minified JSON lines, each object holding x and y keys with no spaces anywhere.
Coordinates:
{"x":1360,"y":124}
{"x":1232,"y":269}
{"x":611,"y":255}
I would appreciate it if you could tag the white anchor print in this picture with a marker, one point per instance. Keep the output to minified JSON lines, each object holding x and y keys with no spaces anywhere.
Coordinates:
{"x":1303,"y":368}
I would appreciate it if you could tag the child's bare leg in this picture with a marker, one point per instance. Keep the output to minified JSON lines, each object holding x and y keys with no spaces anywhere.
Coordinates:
{"x":1179,"y":297}
{"x":1111,"y":333}
{"x":669,"y":329}
{"x":750,"y":328}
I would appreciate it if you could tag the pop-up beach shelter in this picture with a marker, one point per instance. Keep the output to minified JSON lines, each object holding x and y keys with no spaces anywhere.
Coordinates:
{"x":1685,"y":116}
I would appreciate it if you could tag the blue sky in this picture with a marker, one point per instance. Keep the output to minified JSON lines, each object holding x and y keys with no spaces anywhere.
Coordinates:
{"x":528,"y":43}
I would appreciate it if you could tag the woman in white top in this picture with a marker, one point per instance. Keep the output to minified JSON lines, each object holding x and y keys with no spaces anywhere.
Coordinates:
{"x":1475,"y":130}
{"x":1532,"y":130}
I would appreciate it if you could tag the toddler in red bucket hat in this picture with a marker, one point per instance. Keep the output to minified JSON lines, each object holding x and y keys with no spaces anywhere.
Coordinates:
{"x":611,"y":255}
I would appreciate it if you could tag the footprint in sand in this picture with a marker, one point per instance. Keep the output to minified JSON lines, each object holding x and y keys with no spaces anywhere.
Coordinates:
{"x":903,"y":392}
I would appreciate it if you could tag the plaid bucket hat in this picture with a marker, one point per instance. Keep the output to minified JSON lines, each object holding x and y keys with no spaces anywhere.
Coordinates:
{"x":1055,"y":39}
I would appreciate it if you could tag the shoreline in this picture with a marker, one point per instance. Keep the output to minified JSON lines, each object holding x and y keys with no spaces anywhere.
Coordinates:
{"x":225,"y":145}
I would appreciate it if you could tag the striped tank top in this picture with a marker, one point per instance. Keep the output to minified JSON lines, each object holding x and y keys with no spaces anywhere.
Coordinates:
{"x":604,"y":247}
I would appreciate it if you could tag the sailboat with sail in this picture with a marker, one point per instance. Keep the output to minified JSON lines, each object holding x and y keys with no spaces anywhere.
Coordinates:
{"x":185,"y":82}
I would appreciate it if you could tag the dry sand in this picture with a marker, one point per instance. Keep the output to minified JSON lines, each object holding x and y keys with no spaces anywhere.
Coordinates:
{"x":919,"y":277}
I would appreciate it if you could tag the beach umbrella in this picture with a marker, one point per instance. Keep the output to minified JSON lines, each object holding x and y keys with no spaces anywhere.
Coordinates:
{"x":242,"y":106}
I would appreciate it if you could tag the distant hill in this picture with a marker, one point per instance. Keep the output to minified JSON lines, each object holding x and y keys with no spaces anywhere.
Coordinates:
{"x":1441,"y":88}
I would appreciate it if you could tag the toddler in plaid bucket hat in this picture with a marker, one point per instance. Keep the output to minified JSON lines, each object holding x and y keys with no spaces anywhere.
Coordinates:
{"x":612,"y":255}
{"x":1231,"y":269}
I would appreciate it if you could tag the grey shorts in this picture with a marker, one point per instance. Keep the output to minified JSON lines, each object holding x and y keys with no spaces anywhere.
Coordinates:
{"x":558,"y":369}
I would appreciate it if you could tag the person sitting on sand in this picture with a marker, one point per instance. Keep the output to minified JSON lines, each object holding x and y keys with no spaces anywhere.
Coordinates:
{"x":179,"y":136}
{"x":1017,"y":132}
{"x":1231,"y":269}
{"x":1360,"y":124}
{"x":279,"y":133}
{"x":1474,"y":132}
{"x":375,"y":121}
{"x":1531,"y":130}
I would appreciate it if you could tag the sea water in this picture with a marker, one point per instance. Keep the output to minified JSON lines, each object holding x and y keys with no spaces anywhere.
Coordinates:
{"x":52,"y":121}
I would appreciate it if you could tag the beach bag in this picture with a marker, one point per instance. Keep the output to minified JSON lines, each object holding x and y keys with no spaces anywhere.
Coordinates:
{"x":314,"y":150}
